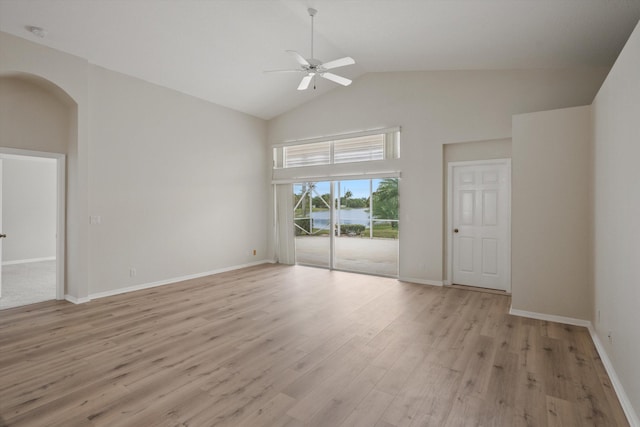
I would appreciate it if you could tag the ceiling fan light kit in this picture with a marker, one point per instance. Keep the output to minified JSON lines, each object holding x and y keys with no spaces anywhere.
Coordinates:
{"x":314,"y":67}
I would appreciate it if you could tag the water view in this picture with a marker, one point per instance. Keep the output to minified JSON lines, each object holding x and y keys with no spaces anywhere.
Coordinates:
{"x":322,"y":219}
{"x":354,"y":204}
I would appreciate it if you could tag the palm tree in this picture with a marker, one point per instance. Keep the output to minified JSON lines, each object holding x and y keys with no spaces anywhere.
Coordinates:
{"x":385,"y":200}
{"x":345,"y":200}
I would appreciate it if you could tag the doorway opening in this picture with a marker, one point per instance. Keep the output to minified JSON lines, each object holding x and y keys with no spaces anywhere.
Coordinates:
{"x":349,"y":225}
{"x":32,"y":201}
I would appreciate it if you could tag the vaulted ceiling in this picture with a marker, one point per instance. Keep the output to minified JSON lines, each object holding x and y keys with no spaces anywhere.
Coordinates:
{"x":217,"y":49}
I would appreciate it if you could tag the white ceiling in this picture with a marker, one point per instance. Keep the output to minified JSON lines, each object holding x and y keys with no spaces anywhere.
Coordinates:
{"x":217,"y":49}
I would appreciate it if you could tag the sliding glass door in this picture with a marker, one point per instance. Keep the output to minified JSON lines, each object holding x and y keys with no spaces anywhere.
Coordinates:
{"x":312,"y":223}
{"x":363,"y":218}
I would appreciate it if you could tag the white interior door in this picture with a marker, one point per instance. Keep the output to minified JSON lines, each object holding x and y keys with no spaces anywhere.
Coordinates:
{"x":2,"y":235}
{"x":481,"y":224}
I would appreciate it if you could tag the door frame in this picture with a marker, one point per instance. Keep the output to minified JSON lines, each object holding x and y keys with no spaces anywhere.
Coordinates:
{"x":334,"y":182}
{"x":448,"y":226}
{"x":61,"y":174}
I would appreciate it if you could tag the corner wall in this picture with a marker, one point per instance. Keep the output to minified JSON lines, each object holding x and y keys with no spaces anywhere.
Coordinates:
{"x":551,"y":213}
{"x":616,"y":139}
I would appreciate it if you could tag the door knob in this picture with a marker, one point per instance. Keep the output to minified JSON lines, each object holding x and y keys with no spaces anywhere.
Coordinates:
{"x":455,"y":230}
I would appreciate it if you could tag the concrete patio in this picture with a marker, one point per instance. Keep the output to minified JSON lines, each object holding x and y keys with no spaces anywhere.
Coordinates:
{"x":360,"y":254}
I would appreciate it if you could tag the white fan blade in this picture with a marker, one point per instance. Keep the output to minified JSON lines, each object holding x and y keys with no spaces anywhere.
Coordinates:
{"x":299,"y":58}
{"x":304,"y":84}
{"x":347,"y":60}
{"x":340,"y":80}
{"x":284,"y":71}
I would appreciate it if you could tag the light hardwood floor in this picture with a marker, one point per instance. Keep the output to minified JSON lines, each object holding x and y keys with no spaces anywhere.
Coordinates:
{"x":291,"y":346}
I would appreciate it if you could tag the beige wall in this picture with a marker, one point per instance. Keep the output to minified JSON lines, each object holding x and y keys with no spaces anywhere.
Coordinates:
{"x":616,"y":136}
{"x":33,"y":116}
{"x":550,"y":249}
{"x":178,"y":182}
{"x":462,"y":152}
{"x":476,"y":150}
{"x":433,"y":108}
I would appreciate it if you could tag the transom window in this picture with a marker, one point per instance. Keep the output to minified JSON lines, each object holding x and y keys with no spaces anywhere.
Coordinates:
{"x":366,"y":147}
{"x":318,"y":153}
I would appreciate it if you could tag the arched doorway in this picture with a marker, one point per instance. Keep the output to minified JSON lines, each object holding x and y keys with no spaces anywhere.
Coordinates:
{"x":36,"y":125}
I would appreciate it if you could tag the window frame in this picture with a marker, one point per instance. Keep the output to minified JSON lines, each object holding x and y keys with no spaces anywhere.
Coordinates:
{"x":391,"y":148}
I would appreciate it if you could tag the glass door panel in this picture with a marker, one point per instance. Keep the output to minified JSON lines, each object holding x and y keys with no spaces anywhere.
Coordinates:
{"x":366,"y":238}
{"x":312,"y":223}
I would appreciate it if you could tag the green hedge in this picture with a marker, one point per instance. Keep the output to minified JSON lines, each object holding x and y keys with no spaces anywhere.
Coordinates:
{"x":356,"y":229}
{"x":304,"y":223}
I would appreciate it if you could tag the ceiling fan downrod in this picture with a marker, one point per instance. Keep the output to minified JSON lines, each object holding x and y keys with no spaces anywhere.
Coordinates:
{"x":312,"y":13}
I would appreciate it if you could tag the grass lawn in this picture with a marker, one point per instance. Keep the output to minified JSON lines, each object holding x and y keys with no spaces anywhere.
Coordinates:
{"x":383,"y":230}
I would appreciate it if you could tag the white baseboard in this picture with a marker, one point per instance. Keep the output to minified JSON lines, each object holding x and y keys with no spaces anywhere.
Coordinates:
{"x":25,"y":261}
{"x":75,"y":300}
{"x":627,"y":407}
{"x":420,"y":281}
{"x":173,"y":280}
{"x":632,"y":417}
{"x":550,"y":317}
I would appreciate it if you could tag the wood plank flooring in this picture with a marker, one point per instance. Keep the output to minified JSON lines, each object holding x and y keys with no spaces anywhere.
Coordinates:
{"x":295,"y":346}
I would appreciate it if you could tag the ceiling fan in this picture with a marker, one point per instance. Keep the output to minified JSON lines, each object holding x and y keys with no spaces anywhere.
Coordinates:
{"x":313,"y":67}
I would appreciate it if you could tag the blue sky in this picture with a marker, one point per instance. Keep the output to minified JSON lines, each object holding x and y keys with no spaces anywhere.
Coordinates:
{"x":358,"y":188}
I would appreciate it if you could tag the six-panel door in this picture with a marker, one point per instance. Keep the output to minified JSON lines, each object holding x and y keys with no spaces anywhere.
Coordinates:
{"x":481,"y":225}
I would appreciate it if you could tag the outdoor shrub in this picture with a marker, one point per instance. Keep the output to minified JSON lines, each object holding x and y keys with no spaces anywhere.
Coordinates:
{"x":304,"y":223}
{"x":356,"y":229}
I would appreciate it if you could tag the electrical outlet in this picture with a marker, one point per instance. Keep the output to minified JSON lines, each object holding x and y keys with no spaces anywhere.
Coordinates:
{"x":133,"y":272}
{"x":95,"y":219}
